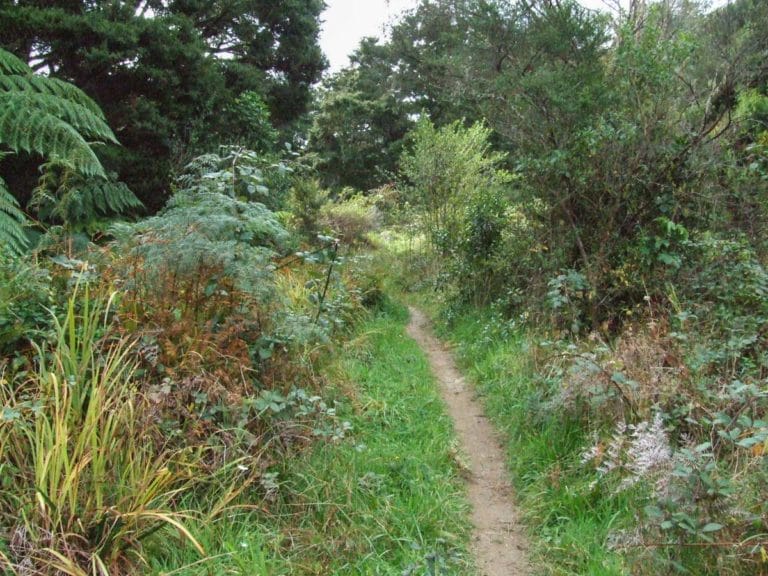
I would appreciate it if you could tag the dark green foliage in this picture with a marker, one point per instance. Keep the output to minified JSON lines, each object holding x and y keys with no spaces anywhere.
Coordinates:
{"x":11,"y":65}
{"x":78,"y":202}
{"x":12,"y":221}
{"x":26,"y":302}
{"x":252,"y":125}
{"x":360,"y":123}
{"x":307,"y":199}
{"x":608,"y":141}
{"x":723,"y":294}
{"x":169,"y":74}
{"x":49,"y":118}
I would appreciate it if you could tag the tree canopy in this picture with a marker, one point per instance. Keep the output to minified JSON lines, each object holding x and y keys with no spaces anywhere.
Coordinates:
{"x":168,"y":73}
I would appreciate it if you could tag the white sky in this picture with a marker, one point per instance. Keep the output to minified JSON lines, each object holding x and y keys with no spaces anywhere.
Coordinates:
{"x":346,"y":22}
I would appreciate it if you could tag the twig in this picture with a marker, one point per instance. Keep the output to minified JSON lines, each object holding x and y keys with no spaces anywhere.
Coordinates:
{"x":327,"y":281}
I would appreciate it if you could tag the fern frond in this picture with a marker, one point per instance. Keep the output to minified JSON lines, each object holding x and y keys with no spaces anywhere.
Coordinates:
{"x":96,"y":196}
{"x":207,"y":231}
{"x":64,"y":91}
{"x":28,"y":128}
{"x":10,"y":64}
{"x":12,"y":221}
{"x":65,"y":196}
{"x":79,"y":117}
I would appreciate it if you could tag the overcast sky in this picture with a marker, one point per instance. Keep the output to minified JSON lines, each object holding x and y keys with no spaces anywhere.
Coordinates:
{"x":347,"y":21}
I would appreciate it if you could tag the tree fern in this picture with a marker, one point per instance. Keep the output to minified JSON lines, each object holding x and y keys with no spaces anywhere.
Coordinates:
{"x":56,"y":120}
{"x":10,"y":64}
{"x":28,"y":129}
{"x":76,"y":115}
{"x":12,"y":221}
{"x":30,"y":83}
{"x":79,"y":202}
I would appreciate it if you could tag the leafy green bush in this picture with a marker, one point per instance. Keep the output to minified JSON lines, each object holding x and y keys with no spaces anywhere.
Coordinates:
{"x":351,"y":219}
{"x":307,"y":200}
{"x":721,"y":297}
{"x":447,"y":168}
{"x":253,"y":125}
{"x":241,"y":174}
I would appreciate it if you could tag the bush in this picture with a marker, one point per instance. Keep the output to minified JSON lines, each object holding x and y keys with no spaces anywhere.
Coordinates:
{"x":307,"y":200}
{"x":721,"y":302}
{"x":26,"y":301}
{"x":351,"y":219}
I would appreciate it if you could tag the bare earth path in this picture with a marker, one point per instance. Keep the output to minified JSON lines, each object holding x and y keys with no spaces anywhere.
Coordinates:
{"x":498,"y":543}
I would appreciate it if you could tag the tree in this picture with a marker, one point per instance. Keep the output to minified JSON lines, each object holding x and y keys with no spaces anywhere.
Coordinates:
{"x":360,"y":122}
{"x":167,"y":73}
{"x":48,"y":118}
{"x":447,"y":168}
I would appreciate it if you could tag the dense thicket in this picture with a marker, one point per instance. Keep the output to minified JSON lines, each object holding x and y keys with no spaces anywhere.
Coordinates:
{"x":601,"y":178}
{"x":597,"y":179}
{"x":627,"y":133}
{"x":170,"y":76}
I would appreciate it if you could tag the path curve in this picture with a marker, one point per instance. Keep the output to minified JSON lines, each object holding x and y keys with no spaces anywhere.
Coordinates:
{"x":498,"y":545}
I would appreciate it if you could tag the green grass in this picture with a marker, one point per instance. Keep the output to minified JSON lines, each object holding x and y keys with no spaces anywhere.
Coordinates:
{"x":385,"y":500}
{"x":570,"y":520}
{"x":389,"y":499}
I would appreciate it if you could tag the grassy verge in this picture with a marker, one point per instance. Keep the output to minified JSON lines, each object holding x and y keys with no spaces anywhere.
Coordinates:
{"x":570,"y":519}
{"x":384,"y":499}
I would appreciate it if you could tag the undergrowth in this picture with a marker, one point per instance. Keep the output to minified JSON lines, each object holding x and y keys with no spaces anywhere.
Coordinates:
{"x":570,"y":521}
{"x":618,"y":467}
{"x":382,"y":496}
{"x":636,"y":448}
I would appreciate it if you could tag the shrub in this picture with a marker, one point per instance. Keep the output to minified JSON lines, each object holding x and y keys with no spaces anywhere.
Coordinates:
{"x":26,"y":298}
{"x":446,"y":168}
{"x":307,"y":200}
{"x":241,"y":174}
{"x":351,"y":219}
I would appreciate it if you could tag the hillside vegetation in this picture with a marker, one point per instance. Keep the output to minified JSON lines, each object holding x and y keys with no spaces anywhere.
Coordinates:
{"x":203,"y":369}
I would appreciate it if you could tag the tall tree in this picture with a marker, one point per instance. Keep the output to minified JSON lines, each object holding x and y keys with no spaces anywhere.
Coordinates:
{"x":167,"y":73}
{"x":360,"y":122}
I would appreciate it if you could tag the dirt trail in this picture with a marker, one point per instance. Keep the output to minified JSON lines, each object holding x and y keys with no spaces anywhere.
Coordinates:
{"x":498,"y":543}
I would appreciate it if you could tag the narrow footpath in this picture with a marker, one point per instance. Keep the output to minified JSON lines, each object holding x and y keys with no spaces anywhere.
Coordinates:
{"x":499,"y":545}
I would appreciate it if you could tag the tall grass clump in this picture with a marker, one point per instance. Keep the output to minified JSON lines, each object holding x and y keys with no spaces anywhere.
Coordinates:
{"x":81,"y":487}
